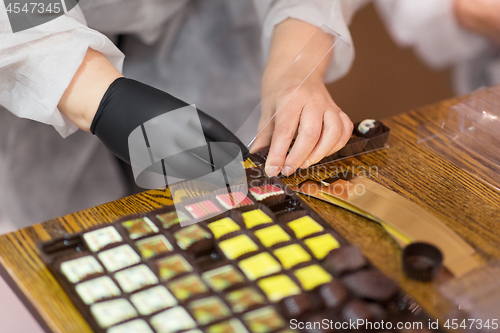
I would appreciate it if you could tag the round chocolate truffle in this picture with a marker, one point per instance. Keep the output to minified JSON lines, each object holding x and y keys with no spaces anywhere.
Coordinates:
{"x":368,"y":128}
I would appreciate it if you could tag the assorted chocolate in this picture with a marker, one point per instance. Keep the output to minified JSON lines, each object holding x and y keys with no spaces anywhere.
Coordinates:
{"x":248,"y":270}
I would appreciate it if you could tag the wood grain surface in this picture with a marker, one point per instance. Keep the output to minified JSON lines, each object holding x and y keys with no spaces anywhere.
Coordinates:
{"x":466,"y":205}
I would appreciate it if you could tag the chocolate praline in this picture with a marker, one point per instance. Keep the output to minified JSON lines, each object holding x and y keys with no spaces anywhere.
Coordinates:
{"x":344,"y":259}
{"x":358,"y":310}
{"x":368,"y":128}
{"x":371,"y":284}
{"x":317,"y":324}
{"x":298,"y":305}
{"x":333,"y":294}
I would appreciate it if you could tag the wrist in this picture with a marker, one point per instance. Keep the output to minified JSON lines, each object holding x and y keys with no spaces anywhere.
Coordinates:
{"x":81,"y":99}
{"x":277,"y":77}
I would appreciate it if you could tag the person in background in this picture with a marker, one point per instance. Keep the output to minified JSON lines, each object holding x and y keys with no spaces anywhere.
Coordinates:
{"x":463,"y":34}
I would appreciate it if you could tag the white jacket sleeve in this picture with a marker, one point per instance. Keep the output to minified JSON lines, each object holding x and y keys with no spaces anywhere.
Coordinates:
{"x":335,"y":14}
{"x":430,"y":27}
{"x":38,"y":64}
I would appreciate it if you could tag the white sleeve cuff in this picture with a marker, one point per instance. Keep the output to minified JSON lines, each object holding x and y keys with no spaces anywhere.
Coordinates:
{"x":39,"y":64}
{"x":334,"y":14}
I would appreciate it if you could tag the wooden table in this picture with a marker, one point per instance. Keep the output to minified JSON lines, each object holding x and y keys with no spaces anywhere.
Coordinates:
{"x":469,"y":207}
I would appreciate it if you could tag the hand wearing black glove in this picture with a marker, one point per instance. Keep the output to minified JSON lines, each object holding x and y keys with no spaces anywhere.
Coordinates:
{"x":129,"y":104}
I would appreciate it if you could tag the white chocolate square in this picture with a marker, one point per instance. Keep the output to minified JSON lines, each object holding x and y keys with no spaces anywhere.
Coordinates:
{"x":135,"y":278}
{"x":134,"y":326}
{"x":153,"y":299}
{"x":112,"y":312}
{"x":78,"y":269}
{"x":119,"y":257}
{"x":173,"y":320}
{"x":99,"y":238}
{"x":96,"y":289}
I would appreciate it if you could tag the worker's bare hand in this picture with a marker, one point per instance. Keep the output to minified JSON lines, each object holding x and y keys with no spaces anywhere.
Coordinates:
{"x":310,"y":114}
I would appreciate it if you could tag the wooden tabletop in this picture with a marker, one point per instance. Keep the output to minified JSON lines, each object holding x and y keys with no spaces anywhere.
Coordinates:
{"x":468,"y":206}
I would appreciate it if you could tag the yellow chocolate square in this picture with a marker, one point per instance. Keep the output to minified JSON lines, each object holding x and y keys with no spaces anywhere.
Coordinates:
{"x":255,"y":217}
{"x":312,"y":276}
{"x":260,"y":265}
{"x":291,"y":255}
{"x":237,"y":246}
{"x":320,"y":246}
{"x":272,"y":235}
{"x":223,"y":227}
{"x":305,"y":226}
{"x":278,"y":287}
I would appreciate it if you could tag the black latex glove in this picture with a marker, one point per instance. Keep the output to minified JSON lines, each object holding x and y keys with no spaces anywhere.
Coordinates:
{"x":128,"y":104}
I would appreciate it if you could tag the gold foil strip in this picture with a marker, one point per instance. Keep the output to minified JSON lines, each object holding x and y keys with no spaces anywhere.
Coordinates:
{"x":311,"y":188}
{"x":403,"y":217}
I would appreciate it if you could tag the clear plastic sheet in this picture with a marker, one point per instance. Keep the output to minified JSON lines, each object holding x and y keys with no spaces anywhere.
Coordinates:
{"x":471,"y":127}
{"x":228,"y":177}
{"x":323,"y":44}
{"x":313,"y":53}
{"x":476,"y":300}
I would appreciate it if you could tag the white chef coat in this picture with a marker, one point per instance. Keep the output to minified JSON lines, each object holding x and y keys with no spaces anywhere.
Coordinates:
{"x":207,"y":52}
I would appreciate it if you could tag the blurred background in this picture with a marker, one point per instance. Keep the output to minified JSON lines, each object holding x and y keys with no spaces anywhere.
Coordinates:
{"x":385,"y":80}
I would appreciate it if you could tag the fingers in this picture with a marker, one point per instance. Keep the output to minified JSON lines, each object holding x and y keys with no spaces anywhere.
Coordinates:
{"x":348,"y":127}
{"x":320,"y":134}
{"x":333,"y":129}
{"x":311,"y":123}
{"x":286,"y":122}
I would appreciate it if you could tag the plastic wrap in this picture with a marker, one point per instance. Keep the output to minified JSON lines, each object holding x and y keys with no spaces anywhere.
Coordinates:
{"x":471,"y":128}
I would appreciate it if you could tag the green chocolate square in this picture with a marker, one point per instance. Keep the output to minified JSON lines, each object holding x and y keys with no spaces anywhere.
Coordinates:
{"x":263,"y":320}
{"x":140,"y":227}
{"x":189,"y":235}
{"x":173,"y":266}
{"x":242,"y":299}
{"x":223,"y":277}
{"x":187,"y":287}
{"x":209,"y":309}
{"x":168,"y":220}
